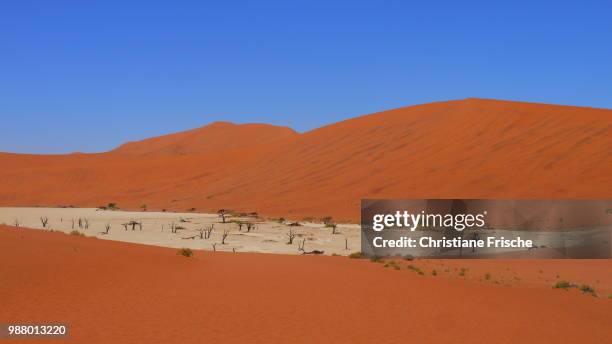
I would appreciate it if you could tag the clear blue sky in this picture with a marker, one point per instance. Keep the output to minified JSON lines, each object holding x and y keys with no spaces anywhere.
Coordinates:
{"x":89,"y":75}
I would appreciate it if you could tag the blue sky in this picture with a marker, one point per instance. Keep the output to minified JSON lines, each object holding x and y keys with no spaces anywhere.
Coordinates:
{"x":89,"y":75}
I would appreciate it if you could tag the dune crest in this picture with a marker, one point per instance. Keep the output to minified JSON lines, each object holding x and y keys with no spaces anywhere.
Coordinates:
{"x":213,"y":137}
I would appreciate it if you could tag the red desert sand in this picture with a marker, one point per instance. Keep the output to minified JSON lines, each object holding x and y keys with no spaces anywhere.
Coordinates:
{"x":113,"y":292}
{"x":470,"y":148}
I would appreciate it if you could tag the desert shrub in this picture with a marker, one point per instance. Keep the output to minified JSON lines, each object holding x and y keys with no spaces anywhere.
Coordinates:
{"x":587,"y":289}
{"x":76,"y":233}
{"x":112,"y":206}
{"x":487,"y":276}
{"x":408,"y":257}
{"x":356,"y":255}
{"x":416,"y":269}
{"x":434,"y":273}
{"x":462,"y":272}
{"x":562,"y":285}
{"x":185,"y":252}
{"x":376,"y":259}
{"x":392,"y":264}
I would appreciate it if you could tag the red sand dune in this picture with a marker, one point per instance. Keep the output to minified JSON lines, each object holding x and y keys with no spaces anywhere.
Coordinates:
{"x":218,"y":136}
{"x":469,"y":148}
{"x":112,"y":292}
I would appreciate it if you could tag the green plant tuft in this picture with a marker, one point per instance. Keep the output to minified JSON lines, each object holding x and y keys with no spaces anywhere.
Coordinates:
{"x":562,"y":285}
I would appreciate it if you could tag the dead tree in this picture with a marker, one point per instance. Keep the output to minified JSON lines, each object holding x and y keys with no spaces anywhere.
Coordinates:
{"x":250,"y":226}
{"x":240,"y":226}
{"x":72,"y":223}
{"x":44,"y":221}
{"x":124,"y":226}
{"x":221,"y":213}
{"x":225,"y":234}
{"x":208,"y":231}
{"x":80,"y":223}
{"x":291,"y":236}
{"x":86,"y":223}
{"x":334,"y":227}
{"x":107,"y":228}
{"x":16,"y":223}
{"x":214,"y":245}
{"x":133,"y":224}
{"x":314,"y":252}
{"x":346,"y":244}
{"x":301,"y":247}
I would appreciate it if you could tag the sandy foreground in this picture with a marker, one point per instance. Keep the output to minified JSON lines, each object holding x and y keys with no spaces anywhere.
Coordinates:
{"x":115,"y":292}
{"x":267,"y":237}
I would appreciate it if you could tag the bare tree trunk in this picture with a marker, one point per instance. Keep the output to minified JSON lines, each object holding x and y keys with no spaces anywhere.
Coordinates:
{"x":291,"y":236}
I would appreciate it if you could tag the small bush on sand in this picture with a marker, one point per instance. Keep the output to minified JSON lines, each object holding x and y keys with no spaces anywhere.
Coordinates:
{"x":587,"y":289}
{"x":487,"y":276}
{"x":392,"y":264}
{"x":185,"y":252}
{"x":76,"y":233}
{"x":356,"y":255}
{"x":462,"y":272}
{"x":434,"y":273}
{"x":376,"y":259}
{"x":562,"y":285}
{"x":416,"y":269}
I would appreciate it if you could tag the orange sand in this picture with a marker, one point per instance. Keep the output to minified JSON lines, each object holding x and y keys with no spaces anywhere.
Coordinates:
{"x":471,"y":148}
{"x":112,"y":292}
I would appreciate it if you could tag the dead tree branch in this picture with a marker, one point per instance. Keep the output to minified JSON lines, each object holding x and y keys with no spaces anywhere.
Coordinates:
{"x":291,"y":236}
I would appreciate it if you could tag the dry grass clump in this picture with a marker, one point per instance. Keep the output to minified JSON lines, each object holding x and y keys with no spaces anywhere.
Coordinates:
{"x":392,"y":264}
{"x":356,"y":255}
{"x":376,"y":259}
{"x":415,"y":269}
{"x":185,"y":252}
{"x":587,"y":289}
{"x":562,"y":285}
